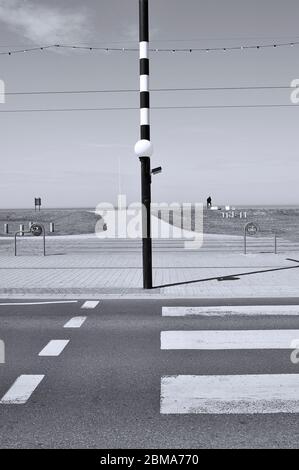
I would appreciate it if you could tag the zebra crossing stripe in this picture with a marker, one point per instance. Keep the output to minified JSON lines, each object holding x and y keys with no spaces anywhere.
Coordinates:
{"x":230,"y":394}
{"x":222,"y":311}
{"x":230,"y":339}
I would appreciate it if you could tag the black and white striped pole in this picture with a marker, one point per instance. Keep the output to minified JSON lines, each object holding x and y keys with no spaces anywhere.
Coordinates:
{"x":143,"y":148}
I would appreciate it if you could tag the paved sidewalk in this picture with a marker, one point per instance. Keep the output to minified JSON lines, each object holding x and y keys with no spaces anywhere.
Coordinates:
{"x":180,"y":273}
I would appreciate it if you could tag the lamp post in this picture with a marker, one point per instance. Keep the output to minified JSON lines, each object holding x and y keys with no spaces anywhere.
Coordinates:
{"x":143,"y":148}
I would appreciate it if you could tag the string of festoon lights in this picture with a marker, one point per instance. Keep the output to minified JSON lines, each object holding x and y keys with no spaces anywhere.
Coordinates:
{"x":155,"y":50}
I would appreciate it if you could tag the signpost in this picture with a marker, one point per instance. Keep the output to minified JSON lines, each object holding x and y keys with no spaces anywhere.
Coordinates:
{"x":36,"y":230}
{"x":250,"y":229}
{"x":143,"y":148}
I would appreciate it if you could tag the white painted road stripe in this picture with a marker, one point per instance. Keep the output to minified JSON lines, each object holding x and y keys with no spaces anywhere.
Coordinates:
{"x":22,"y":389}
{"x":230,"y":394}
{"x":39,"y":303}
{"x":75,"y":322}
{"x":230,"y":339}
{"x":90,"y":304}
{"x":54,"y":347}
{"x":231,"y":310}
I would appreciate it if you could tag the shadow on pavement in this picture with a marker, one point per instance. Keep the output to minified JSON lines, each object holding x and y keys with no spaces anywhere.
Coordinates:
{"x":230,"y":277}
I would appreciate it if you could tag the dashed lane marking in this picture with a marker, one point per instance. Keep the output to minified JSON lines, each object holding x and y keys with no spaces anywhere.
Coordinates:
{"x":75,"y":322}
{"x":22,"y":389}
{"x":90,"y":304}
{"x":54,"y":347}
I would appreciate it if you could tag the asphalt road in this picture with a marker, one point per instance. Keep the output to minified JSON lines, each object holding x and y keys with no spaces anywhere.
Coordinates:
{"x":103,"y":390}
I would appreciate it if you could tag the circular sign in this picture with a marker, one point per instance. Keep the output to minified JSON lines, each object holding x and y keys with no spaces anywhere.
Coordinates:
{"x":36,"y":230}
{"x":251,"y":229}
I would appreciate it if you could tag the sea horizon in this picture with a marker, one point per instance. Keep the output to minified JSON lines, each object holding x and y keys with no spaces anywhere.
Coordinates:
{"x":219,"y":205}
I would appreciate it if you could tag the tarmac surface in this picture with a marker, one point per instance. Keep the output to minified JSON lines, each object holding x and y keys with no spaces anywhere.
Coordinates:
{"x":101,"y":388}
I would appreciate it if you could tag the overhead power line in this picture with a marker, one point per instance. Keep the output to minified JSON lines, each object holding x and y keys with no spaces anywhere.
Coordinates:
{"x":134,"y":49}
{"x":273,"y":39}
{"x":133,"y":90}
{"x":133,"y":108}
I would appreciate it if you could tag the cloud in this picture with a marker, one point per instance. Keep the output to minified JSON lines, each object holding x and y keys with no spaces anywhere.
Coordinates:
{"x":42,"y":24}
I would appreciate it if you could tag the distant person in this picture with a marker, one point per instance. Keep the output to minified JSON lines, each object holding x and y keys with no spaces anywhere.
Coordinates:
{"x":209,"y":202}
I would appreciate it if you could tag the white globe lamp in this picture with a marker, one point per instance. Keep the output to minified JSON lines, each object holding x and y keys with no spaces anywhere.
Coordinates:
{"x":144,"y":148}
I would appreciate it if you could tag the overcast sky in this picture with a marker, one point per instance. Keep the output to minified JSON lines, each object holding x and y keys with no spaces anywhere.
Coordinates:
{"x":238,"y":156}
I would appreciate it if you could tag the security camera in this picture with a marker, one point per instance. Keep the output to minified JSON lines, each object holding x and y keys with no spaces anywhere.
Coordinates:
{"x":156,"y":171}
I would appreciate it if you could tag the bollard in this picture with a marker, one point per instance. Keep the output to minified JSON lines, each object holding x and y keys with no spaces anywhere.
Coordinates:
{"x":170,"y":217}
{"x":275,"y":244}
{"x":21,"y":230}
{"x":6,"y":228}
{"x":52,"y":227}
{"x":192,"y":218}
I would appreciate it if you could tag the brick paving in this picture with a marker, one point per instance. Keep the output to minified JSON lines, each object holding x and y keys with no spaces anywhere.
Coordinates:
{"x":117,"y":271}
